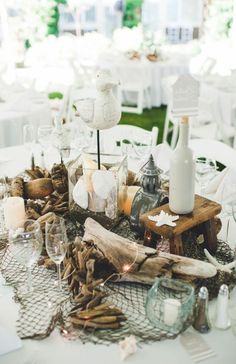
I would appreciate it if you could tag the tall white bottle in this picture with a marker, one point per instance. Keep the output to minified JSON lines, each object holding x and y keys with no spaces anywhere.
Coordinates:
{"x":182,"y":173}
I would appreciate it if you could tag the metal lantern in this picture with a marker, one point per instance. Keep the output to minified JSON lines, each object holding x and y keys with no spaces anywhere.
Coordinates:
{"x":149,"y":196}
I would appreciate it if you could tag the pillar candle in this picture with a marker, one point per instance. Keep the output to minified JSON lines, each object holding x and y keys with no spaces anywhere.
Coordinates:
{"x":14,"y":212}
{"x":171,"y":311}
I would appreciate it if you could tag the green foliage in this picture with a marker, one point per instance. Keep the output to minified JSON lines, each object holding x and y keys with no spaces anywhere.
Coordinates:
{"x":55,"y":95}
{"x":220,"y":19}
{"x":132,"y":13}
{"x":148,"y":119}
{"x":52,"y":25}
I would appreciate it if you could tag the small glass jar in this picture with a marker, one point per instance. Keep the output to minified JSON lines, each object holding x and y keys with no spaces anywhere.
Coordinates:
{"x":169,"y":304}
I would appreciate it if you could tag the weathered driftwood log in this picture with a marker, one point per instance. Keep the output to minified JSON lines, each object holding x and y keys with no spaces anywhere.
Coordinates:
{"x":38,"y":188}
{"x":140,"y":263}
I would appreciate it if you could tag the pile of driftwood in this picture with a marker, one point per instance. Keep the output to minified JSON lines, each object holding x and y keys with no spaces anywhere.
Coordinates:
{"x":45,"y":192}
{"x":102,"y":256}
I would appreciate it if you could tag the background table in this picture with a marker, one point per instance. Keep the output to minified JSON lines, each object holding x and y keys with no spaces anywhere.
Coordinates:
{"x":18,"y":109}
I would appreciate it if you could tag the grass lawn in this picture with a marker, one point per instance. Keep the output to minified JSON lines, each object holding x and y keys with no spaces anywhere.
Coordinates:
{"x":148,"y":119}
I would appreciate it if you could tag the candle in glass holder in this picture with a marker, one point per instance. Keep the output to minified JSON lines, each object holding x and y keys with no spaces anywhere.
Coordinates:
{"x":171,"y":310}
{"x":14,"y":212}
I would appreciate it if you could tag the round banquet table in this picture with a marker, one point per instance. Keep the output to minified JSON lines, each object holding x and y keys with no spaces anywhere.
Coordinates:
{"x":55,"y":349}
{"x":18,"y":109}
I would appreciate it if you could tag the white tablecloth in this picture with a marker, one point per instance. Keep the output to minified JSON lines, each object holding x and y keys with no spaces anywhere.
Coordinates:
{"x":18,"y":109}
{"x":55,"y":349}
{"x":223,"y":97}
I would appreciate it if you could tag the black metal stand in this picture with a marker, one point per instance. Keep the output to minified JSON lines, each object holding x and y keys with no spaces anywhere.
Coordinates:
{"x":98,"y":149}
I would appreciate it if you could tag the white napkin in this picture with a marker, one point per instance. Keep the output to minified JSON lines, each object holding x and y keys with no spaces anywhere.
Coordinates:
{"x":216,"y":186}
{"x":8,"y":341}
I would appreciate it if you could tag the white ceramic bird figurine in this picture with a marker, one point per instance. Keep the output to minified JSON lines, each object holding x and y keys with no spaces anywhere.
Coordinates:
{"x":104,"y":111}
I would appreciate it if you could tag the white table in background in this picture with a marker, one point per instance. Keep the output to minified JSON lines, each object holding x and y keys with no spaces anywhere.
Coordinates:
{"x":223,"y":97}
{"x":18,"y":110}
{"x":55,"y":349}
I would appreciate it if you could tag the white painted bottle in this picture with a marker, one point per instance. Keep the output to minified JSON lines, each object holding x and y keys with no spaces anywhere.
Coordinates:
{"x":182,"y":173}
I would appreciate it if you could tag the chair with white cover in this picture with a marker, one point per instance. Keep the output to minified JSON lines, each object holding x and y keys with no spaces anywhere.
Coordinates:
{"x":214,"y":149}
{"x":135,"y":80}
{"x":111,"y":138}
{"x":226,"y":132}
{"x":207,"y":67}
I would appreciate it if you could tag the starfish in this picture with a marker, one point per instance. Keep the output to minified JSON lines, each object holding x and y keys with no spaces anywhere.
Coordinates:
{"x":223,"y":267}
{"x":164,"y":219}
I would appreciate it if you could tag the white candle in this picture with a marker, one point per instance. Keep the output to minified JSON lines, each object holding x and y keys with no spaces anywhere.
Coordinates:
{"x":14,"y":212}
{"x":171,"y":310}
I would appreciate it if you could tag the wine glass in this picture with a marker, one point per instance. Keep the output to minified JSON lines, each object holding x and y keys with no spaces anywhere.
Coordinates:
{"x":45,"y":136}
{"x":56,"y":243}
{"x":228,"y":200}
{"x":25,"y":243}
{"x":205,"y":172}
{"x":28,"y":136}
{"x":4,"y":191}
{"x":142,"y":147}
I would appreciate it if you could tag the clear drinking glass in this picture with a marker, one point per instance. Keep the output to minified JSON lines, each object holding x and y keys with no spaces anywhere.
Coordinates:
{"x":56,"y":243}
{"x":205,"y":172}
{"x":28,"y":136}
{"x":3,"y":195}
{"x":26,"y":244}
{"x":45,"y":136}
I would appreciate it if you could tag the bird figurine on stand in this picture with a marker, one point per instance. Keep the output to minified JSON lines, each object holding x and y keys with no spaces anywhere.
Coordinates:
{"x":104,"y":111}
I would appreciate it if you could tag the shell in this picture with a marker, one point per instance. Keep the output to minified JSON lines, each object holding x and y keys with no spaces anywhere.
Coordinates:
{"x":103,"y":182}
{"x":80,"y":194}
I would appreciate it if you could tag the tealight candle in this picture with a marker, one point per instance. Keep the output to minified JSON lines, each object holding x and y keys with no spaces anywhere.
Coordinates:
{"x":171,"y":311}
{"x":14,"y":212}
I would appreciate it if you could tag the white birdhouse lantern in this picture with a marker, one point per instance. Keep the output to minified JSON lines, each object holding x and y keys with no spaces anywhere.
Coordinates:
{"x":185,"y":96}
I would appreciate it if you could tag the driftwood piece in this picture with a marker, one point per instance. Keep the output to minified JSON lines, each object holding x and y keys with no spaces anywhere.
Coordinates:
{"x":59,"y":178}
{"x":17,"y":187}
{"x":38,"y":188}
{"x":139,"y":263}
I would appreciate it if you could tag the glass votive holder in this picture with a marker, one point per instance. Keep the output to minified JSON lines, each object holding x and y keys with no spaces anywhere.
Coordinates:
{"x":97,"y":190}
{"x":169,"y":305}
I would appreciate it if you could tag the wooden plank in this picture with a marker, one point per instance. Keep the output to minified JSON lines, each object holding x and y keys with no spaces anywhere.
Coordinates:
{"x":204,"y":210}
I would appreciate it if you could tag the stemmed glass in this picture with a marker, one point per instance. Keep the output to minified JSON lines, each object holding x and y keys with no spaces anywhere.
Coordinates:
{"x":142,"y":147}
{"x":228,"y":200}
{"x":25,"y":243}
{"x":205,"y":172}
{"x":3,"y":195}
{"x":56,"y":243}
{"x":29,"y":137}
{"x":45,"y":136}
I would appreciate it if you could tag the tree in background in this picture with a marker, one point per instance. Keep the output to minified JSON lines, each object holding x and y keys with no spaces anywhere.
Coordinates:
{"x":218,"y":18}
{"x":132,"y":13}
{"x":54,"y":17}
